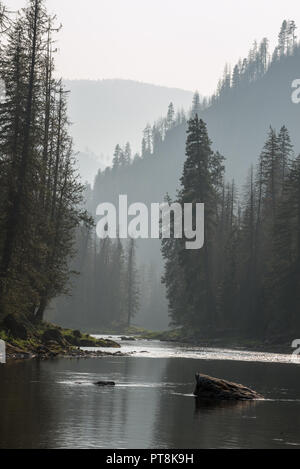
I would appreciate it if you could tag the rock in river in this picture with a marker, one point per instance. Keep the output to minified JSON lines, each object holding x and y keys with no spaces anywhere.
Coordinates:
{"x":105,"y":383}
{"x":220,"y":389}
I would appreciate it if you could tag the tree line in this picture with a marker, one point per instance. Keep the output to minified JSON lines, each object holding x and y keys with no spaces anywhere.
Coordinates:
{"x":259,"y":60}
{"x":41,"y":198}
{"x":248,"y":70}
{"x":246,"y":279}
{"x":106,"y":294}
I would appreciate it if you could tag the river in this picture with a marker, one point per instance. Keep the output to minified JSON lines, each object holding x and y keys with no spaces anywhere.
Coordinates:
{"x":54,"y":404}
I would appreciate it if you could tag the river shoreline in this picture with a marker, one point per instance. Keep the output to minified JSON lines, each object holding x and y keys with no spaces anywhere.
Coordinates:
{"x":279,"y":348}
{"x":277,"y":345}
{"x":44,"y":341}
{"x":57,"y":349}
{"x":14,"y":353}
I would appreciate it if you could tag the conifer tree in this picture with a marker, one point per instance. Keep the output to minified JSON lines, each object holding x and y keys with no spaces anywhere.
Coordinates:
{"x":170,"y":117}
{"x":131,"y":288}
{"x":201,"y":182}
{"x":117,"y":157}
{"x":41,"y":198}
{"x":196,"y":106}
{"x":127,"y":154}
{"x":285,"y":152}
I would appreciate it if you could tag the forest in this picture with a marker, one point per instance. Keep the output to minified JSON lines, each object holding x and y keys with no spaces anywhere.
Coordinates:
{"x":41,"y":197}
{"x":43,"y":215}
{"x":244,"y":282}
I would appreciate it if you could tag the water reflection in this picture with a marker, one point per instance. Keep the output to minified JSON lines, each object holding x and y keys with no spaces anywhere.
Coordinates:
{"x":152,"y":406}
{"x":208,"y":405}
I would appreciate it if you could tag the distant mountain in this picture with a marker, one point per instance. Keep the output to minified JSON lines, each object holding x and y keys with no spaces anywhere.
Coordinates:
{"x":107,"y":112}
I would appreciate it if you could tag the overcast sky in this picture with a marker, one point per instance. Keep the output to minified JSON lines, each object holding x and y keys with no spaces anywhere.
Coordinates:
{"x":176,"y":43}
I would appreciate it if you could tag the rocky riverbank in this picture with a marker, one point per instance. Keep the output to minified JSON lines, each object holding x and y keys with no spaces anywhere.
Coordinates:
{"x":46,"y":353}
{"x":46,"y":341}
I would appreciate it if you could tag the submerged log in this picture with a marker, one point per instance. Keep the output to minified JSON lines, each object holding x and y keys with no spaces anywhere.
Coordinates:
{"x":220,"y":389}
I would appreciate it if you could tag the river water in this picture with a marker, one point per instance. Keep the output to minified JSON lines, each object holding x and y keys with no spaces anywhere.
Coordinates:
{"x":54,"y":404}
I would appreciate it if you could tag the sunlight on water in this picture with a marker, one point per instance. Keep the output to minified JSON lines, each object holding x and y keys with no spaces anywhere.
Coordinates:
{"x":157,"y":349}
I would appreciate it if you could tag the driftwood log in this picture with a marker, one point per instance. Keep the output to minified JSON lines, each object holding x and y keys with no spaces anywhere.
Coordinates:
{"x":220,"y":389}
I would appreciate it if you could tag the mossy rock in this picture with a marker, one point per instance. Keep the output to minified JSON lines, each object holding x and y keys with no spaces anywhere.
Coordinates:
{"x":87,"y":343}
{"x":53,"y":335}
{"x":107,"y":343}
{"x":72,"y":340}
{"x":92,"y":342}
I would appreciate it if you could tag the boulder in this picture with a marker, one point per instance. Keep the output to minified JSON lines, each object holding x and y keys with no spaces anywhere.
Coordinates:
{"x":220,"y":389}
{"x":87,"y":343}
{"x":90,"y":342}
{"x":53,"y":335}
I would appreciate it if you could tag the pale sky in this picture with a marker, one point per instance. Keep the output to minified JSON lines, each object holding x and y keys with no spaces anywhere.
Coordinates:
{"x":176,"y":43}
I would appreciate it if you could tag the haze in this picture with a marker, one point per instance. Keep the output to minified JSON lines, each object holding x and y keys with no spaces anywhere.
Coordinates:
{"x":174,"y":43}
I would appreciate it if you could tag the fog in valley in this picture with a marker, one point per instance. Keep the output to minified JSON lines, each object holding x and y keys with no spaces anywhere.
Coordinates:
{"x":149,"y":226}
{"x":255,"y":95}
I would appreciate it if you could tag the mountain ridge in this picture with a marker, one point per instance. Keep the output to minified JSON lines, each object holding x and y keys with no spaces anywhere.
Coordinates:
{"x":110,"y":111}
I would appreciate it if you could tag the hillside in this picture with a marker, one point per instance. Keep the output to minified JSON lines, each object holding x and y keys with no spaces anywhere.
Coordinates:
{"x":237,"y":124}
{"x":237,"y":121}
{"x":106,"y":112}
{"x":238,"y":118}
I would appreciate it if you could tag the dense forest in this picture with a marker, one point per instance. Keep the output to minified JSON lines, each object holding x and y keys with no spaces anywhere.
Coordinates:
{"x":41,"y":198}
{"x":245,"y":280}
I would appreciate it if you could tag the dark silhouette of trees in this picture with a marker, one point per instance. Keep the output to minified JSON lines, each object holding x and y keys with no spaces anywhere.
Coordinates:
{"x":245,"y":281}
{"x":40,"y":197}
{"x":201,"y":183}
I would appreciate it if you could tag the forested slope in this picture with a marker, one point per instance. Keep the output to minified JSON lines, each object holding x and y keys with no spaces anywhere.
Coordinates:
{"x":255,"y":95}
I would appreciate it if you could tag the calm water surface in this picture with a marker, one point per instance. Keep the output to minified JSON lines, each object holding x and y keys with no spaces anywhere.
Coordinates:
{"x":54,"y":404}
